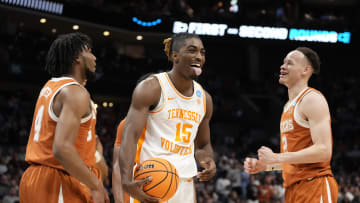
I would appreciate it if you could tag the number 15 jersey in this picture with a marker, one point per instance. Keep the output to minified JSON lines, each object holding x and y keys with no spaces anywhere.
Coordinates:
{"x":172,"y":126}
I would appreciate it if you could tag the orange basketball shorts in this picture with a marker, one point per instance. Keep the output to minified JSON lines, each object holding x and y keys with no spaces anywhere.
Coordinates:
{"x":319,"y":189}
{"x":43,"y":184}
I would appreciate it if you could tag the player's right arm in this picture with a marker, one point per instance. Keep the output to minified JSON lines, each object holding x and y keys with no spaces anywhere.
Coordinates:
{"x":116,"y":178}
{"x":146,"y":94}
{"x":75,"y":104}
{"x":253,"y":166}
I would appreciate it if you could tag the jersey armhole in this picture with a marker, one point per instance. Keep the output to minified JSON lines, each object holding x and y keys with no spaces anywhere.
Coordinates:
{"x":298,"y":119}
{"x":51,"y":111}
{"x":162,"y":101}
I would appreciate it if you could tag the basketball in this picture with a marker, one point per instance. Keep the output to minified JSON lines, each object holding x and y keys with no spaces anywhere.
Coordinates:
{"x":165,"y":178}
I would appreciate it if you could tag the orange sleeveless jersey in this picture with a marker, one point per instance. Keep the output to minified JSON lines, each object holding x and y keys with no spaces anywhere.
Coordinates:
{"x":294,"y":137}
{"x":118,"y":139}
{"x":119,"y":133}
{"x":39,"y":147}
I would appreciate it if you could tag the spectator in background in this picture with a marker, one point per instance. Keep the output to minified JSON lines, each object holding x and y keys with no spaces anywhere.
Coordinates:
{"x":12,"y":196}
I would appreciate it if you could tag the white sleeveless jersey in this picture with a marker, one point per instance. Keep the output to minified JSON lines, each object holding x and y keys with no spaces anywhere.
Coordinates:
{"x":172,"y":127}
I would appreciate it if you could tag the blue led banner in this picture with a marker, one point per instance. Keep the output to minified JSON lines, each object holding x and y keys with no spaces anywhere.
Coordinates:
{"x":262,"y":32}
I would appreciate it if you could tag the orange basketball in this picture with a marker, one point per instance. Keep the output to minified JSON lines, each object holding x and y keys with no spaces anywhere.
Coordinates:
{"x":165,"y":178}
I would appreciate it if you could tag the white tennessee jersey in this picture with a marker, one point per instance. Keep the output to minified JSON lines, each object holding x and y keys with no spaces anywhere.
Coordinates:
{"x":172,"y":127}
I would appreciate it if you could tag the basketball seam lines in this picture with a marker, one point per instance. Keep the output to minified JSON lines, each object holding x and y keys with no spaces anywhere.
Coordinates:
{"x":170,"y":181}
{"x":155,"y":171}
{"x":159,"y":181}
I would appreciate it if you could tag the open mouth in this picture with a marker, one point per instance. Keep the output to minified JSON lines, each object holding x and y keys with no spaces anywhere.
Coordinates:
{"x":196,"y":68}
{"x":195,"y":65}
{"x":282,"y":73}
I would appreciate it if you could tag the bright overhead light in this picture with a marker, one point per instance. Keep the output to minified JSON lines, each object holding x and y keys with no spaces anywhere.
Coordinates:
{"x":139,"y":37}
{"x":75,"y":27}
{"x":106,"y":33}
{"x":42,"y":20}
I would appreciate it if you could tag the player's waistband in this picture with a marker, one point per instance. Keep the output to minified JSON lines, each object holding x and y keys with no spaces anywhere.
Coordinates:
{"x":56,"y":168}
{"x":312,"y":178}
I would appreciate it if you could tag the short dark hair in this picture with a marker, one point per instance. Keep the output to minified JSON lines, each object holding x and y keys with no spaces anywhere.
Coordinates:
{"x":313,"y":58}
{"x":176,"y":41}
{"x":64,"y":51}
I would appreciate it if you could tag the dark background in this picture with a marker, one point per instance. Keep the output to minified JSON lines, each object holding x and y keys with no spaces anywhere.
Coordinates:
{"x":240,"y":74}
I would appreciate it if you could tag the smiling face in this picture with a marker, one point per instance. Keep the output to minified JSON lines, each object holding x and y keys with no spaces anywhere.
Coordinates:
{"x":190,"y":58}
{"x":295,"y":67}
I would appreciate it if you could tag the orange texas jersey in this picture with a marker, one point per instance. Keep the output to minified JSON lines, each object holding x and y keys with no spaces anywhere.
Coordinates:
{"x":295,"y":136}
{"x":39,"y":147}
{"x":118,"y":139}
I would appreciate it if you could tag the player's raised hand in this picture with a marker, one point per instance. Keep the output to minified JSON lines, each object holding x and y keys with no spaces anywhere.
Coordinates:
{"x":135,"y":190}
{"x":253,"y":166}
{"x":267,"y":156}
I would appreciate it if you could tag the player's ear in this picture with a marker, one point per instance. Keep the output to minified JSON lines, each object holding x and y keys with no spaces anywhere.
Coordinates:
{"x":77,"y":59}
{"x":308,"y":69}
{"x":175,"y":57}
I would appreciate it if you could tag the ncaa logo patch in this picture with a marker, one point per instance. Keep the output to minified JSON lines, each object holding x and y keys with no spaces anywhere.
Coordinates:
{"x":198,"y":93}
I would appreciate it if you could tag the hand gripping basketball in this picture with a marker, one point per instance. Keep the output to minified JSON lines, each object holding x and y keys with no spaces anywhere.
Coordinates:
{"x":164,"y":178}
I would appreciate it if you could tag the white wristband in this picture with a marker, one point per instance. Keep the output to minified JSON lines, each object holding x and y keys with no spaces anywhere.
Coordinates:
{"x":97,"y":156}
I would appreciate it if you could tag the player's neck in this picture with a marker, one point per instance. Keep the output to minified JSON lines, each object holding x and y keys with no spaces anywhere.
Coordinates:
{"x":184,"y":86}
{"x":295,"y":90}
{"x":77,"y":76}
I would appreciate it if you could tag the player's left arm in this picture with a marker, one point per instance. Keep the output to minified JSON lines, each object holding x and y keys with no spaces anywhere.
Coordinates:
{"x":314,"y":108}
{"x":100,"y":160}
{"x":203,"y":150}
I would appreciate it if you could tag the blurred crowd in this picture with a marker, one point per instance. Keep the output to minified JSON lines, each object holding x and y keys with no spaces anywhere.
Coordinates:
{"x":230,"y":185}
{"x":231,"y":141}
{"x":247,"y":107}
{"x":278,"y":12}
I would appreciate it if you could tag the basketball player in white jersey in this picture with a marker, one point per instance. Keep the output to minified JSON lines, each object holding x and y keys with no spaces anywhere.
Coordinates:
{"x":175,"y":110}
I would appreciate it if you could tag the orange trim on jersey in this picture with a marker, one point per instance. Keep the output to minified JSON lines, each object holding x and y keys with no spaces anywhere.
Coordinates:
{"x":164,"y":96}
{"x":126,"y":198}
{"x":119,"y":133}
{"x":204,"y":100}
{"x":139,"y":145}
{"x":158,"y":110}
{"x":176,"y":91}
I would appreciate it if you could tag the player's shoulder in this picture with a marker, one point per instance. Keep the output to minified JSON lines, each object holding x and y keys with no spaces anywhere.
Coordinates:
{"x":314,"y":101}
{"x":314,"y":96}
{"x":150,"y":84}
{"x":74,"y":93}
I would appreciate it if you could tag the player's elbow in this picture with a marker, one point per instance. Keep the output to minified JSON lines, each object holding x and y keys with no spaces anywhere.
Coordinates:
{"x":59,"y":151}
{"x":325,"y":153}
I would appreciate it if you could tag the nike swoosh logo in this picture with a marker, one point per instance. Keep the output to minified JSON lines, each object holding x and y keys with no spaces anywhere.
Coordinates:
{"x":171,"y":98}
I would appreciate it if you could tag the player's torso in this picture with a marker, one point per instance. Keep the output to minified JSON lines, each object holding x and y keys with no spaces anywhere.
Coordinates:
{"x":295,"y":136}
{"x":172,"y":127}
{"x":39,"y":148}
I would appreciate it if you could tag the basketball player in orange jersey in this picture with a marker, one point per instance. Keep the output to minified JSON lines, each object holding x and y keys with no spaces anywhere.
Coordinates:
{"x":306,"y":138}
{"x":100,"y":160}
{"x":119,"y":195}
{"x":116,"y":178}
{"x":62,"y":144}
{"x":175,"y":112}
